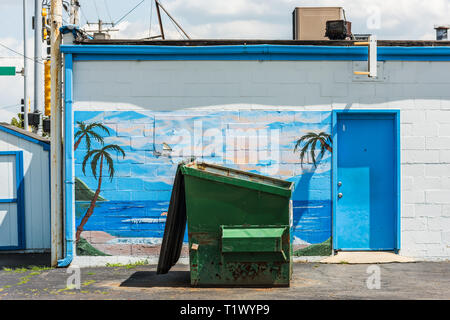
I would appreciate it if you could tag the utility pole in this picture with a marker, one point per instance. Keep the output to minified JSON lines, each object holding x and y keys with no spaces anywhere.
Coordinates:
{"x":56,"y":133}
{"x":161,"y":28}
{"x":74,"y":8}
{"x":101,"y":33}
{"x":38,"y":71}
{"x":25,"y":68}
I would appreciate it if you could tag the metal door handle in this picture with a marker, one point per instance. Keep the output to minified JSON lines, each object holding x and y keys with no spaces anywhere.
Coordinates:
{"x":340,"y":195}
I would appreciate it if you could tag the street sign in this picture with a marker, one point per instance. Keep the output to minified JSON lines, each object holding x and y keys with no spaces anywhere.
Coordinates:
{"x":7,"y":71}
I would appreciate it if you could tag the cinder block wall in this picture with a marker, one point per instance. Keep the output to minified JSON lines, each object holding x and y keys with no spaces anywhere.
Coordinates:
{"x":419,"y":89}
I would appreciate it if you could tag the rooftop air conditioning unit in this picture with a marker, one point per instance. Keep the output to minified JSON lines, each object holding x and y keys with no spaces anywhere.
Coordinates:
{"x":309,"y":23}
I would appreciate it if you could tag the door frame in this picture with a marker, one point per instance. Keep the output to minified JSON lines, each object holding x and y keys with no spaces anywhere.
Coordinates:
{"x":19,"y":200}
{"x":396,"y":137}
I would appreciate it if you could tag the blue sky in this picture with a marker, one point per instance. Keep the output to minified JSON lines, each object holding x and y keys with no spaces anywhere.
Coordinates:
{"x":269,"y":19}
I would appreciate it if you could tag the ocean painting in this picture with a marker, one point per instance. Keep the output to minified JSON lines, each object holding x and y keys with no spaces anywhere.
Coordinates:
{"x":125,"y":163}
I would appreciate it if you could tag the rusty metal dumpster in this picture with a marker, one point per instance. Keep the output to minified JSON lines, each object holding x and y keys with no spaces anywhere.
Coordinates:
{"x":239,"y":227}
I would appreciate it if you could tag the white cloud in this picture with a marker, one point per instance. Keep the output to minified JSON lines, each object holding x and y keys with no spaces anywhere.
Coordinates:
{"x":271,"y":19}
{"x":251,"y":19}
{"x":140,"y":30}
{"x":228,"y":8}
{"x":239,"y":29}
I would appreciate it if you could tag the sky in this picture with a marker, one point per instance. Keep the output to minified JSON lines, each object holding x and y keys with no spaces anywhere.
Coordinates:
{"x":216,"y":19}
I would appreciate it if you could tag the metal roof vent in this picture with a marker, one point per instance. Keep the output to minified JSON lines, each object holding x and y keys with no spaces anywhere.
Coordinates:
{"x":442,"y":32}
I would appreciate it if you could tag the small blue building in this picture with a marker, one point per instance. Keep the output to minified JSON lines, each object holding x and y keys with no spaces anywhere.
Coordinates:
{"x":24,"y":191}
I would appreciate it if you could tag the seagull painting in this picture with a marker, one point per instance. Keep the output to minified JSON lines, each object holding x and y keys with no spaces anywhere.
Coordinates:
{"x":166,"y":151}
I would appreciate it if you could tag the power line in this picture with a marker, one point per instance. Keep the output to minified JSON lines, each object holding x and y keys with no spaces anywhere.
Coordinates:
{"x":107,"y":10}
{"x":21,"y":54}
{"x":10,"y":106}
{"x":126,"y":14}
{"x":171,"y":18}
{"x":96,"y":9}
{"x":174,"y":25}
{"x":84,"y":16}
{"x":151,"y":15}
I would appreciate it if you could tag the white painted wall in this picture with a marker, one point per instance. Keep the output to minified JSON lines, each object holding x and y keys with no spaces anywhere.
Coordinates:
{"x":36,"y":191}
{"x":421,"y":90}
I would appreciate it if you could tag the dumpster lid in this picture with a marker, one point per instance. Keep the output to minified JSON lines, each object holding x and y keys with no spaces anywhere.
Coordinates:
{"x":175,"y":226}
{"x":239,"y":178}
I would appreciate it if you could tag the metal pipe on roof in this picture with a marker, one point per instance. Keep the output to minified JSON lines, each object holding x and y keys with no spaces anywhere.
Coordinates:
{"x":168,"y":14}
{"x":159,"y":19}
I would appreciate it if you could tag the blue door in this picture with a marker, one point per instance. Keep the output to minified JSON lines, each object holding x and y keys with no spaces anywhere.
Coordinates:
{"x":12,"y":232}
{"x":366,"y":182}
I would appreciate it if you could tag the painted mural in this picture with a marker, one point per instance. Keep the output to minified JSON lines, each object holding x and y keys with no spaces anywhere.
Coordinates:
{"x":125,"y":163}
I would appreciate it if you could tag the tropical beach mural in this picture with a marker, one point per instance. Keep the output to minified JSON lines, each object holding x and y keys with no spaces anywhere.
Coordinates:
{"x":125,"y":163}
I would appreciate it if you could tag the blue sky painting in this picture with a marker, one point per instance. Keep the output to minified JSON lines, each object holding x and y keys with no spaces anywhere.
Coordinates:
{"x":260,"y":141}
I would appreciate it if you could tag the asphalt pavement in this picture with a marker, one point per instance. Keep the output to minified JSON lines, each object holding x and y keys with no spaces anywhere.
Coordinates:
{"x":419,"y":280}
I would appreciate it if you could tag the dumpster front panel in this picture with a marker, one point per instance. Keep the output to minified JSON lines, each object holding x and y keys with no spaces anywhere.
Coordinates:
{"x":253,"y":239}
{"x":255,"y":248}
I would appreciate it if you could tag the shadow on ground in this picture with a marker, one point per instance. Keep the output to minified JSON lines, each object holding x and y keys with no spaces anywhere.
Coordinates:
{"x":19,"y":260}
{"x":149,"y":279}
{"x":174,"y":279}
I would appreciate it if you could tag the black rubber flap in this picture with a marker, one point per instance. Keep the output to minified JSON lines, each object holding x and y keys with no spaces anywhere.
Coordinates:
{"x":175,"y":226}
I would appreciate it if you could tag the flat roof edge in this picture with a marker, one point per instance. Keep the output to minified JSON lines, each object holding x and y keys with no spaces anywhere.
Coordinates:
{"x":253,"y":52}
{"x":214,"y":42}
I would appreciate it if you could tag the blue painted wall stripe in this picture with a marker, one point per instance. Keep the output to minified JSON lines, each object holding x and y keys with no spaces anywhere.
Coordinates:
{"x":398,"y":173}
{"x":8,"y":200}
{"x":333,"y":178}
{"x":252,"y":52}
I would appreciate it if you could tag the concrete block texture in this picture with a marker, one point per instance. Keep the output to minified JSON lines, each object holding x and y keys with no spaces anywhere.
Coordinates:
{"x":418,"y":89}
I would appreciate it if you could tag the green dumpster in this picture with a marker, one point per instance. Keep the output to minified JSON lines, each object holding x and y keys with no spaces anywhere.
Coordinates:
{"x":239,"y":227}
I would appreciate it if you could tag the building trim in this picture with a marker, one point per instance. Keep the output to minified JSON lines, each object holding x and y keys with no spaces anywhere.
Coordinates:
{"x":252,"y":52}
{"x":24,"y":135}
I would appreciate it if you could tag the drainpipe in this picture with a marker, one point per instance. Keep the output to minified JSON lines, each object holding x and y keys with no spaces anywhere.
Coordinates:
{"x":69,"y":181}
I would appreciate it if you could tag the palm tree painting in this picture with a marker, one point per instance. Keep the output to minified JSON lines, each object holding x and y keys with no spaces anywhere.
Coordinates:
{"x":87,"y":132}
{"x":310,"y":141}
{"x":97,"y":158}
